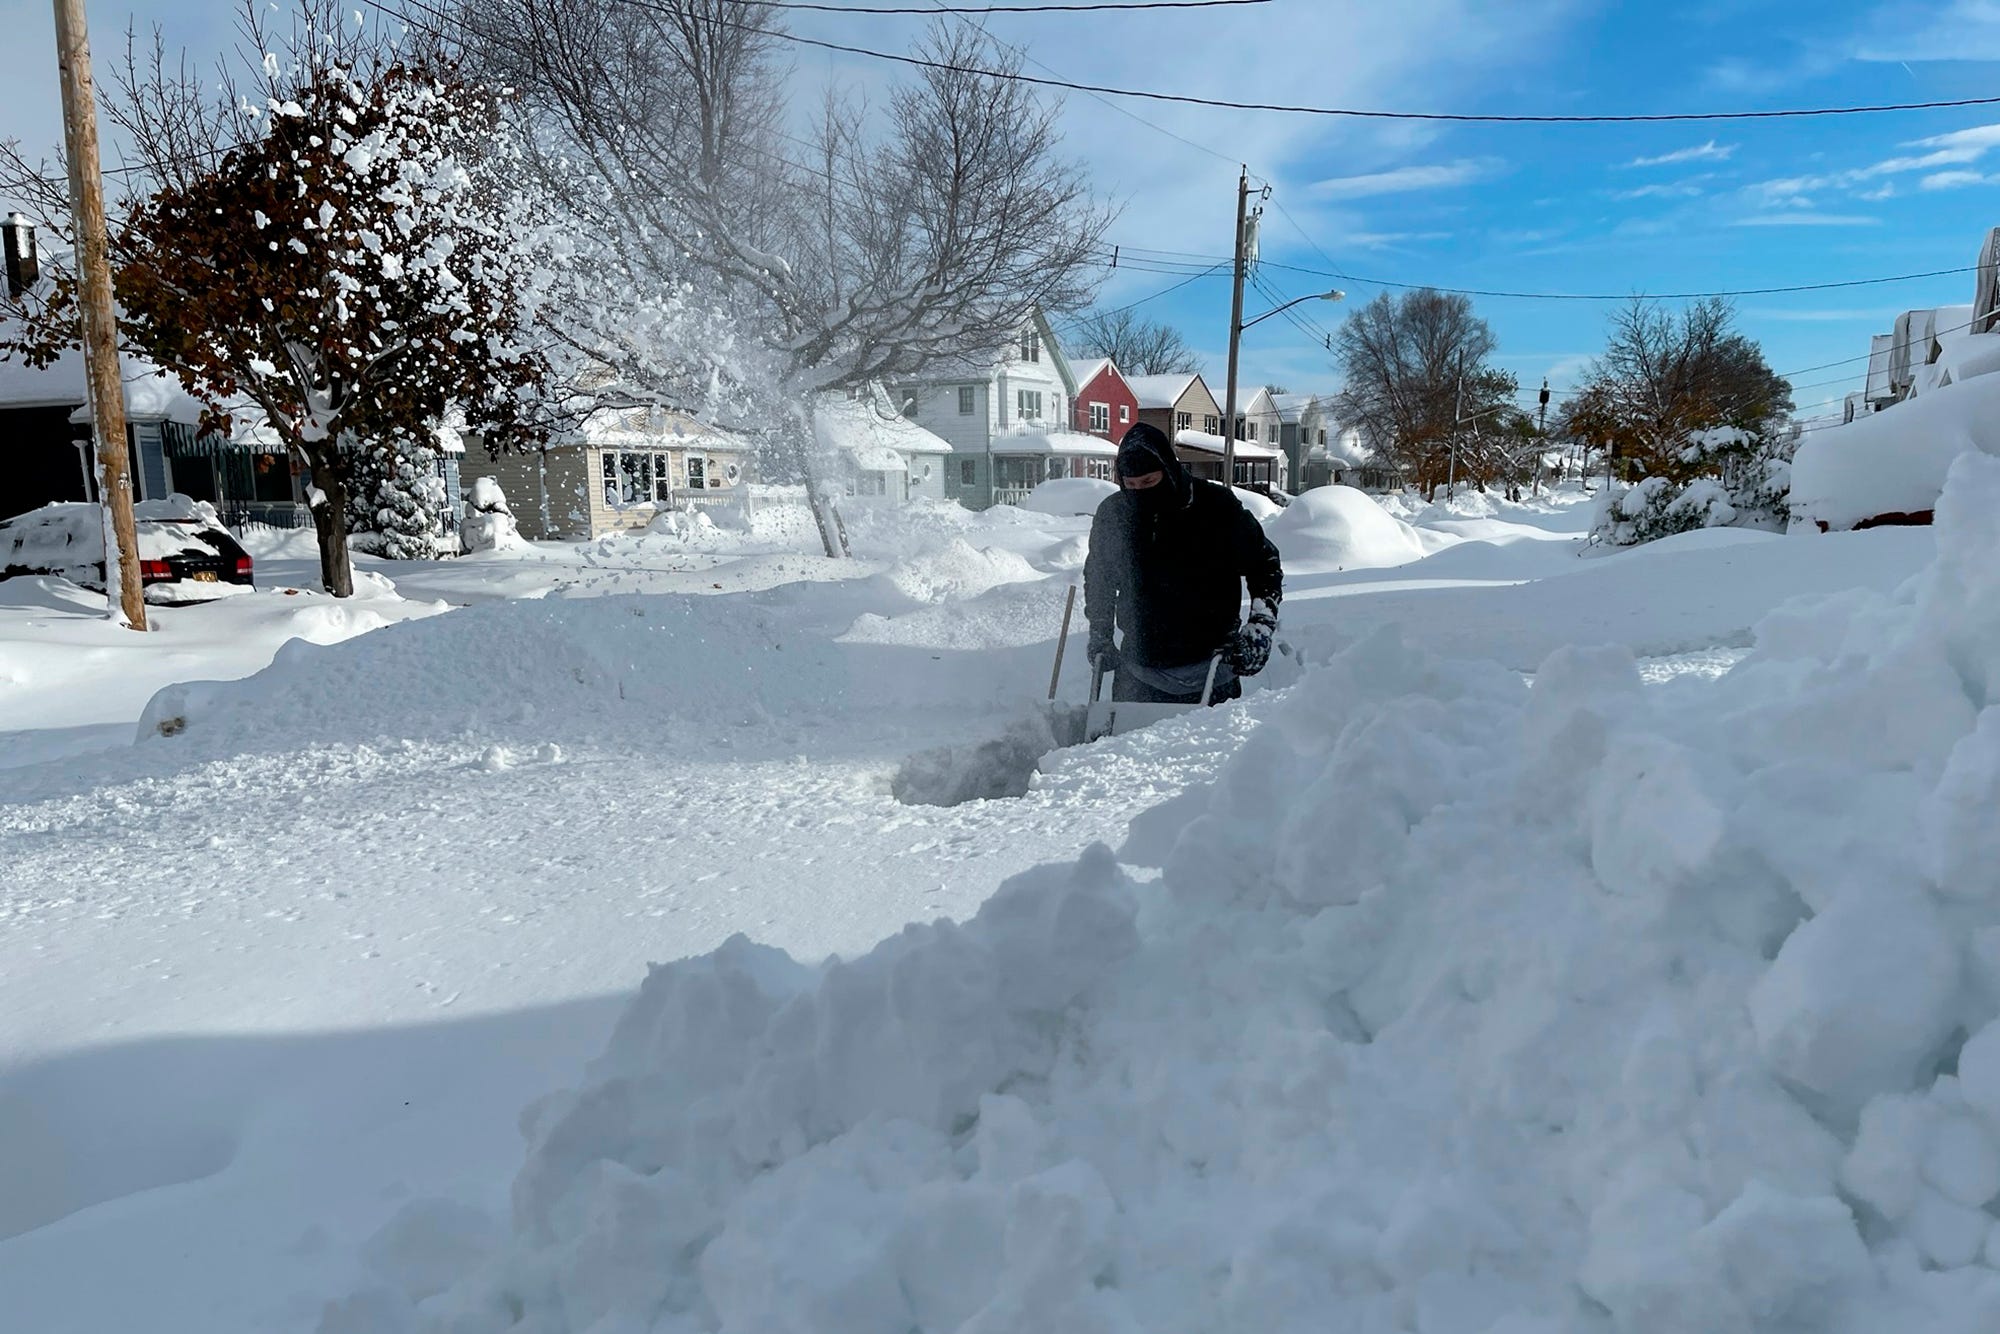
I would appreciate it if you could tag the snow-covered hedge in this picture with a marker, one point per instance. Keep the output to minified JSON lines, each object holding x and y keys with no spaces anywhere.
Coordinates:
{"x":1458,"y":1007}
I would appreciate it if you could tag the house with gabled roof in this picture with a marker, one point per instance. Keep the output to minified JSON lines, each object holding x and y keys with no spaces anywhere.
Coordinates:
{"x":1000,"y":413}
{"x":1175,"y":403}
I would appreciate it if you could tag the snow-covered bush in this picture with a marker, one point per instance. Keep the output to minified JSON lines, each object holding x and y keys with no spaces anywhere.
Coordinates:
{"x":489,"y":520}
{"x":1742,"y":482}
{"x":395,"y":501}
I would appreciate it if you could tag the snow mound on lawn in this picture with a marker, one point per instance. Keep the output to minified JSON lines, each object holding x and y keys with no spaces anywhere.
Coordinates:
{"x":955,"y":570}
{"x":1069,"y":495}
{"x":680,"y":668}
{"x":1893,"y":462}
{"x":1463,"y":1007}
{"x":1339,"y":528}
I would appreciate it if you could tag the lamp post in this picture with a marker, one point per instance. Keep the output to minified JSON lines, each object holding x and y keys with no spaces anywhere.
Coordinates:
{"x":1237,"y":325}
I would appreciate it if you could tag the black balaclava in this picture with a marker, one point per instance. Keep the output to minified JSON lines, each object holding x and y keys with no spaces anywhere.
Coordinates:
{"x":1146,"y":449}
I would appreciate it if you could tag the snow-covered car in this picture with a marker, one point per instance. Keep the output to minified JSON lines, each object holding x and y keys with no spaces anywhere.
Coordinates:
{"x":185,"y":555}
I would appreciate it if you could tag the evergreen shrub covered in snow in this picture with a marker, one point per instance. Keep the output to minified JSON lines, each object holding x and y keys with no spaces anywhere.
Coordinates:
{"x":396,"y":501}
{"x":1459,"y":1007}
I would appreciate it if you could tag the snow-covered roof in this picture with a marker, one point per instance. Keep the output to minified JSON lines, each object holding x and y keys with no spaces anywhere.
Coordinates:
{"x":1091,"y":370}
{"x":1070,"y":443}
{"x":1259,"y":404}
{"x":1159,"y":391}
{"x":647,"y":426}
{"x":1292,"y":406}
{"x":871,"y":440}
{"x":1213,"y":444}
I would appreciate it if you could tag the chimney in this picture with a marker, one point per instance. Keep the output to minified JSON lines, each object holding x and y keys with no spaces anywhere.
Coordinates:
{"x":23,"y":265}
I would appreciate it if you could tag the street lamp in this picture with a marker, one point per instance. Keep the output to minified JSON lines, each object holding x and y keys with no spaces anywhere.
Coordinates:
{"x":1236,"y":327}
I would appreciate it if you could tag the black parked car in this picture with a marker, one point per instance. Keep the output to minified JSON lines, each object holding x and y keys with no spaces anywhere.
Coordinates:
{"x":184,"y":556}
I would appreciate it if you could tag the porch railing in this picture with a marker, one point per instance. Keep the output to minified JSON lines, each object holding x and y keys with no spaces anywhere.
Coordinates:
{"x":1010,"y":495}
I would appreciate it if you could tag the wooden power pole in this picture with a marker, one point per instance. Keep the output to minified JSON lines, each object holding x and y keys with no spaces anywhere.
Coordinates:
{"x":100,"y":322}
{"x":1235,"y":333}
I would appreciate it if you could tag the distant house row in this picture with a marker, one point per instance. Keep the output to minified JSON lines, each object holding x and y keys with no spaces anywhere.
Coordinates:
{"x":1927,"y":349}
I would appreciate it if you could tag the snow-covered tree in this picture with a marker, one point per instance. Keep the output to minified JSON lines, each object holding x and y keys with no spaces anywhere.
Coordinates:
{"x":396,"y":500}
{"x":729,"y":267}
{"x":337,"y":244}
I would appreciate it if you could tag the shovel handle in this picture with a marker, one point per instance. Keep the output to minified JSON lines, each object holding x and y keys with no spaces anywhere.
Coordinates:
{"x":1062,"y":641}
{"x":1208,"y":687}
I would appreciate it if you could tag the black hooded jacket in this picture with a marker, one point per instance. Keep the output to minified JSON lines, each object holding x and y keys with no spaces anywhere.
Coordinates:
{"x":1169,"y":564}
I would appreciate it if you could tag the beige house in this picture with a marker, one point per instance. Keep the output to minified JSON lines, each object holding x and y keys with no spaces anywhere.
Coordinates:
{"x":619,"y":469}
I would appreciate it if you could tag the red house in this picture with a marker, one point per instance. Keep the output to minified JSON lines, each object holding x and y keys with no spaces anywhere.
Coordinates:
{"x":1105,"y":405}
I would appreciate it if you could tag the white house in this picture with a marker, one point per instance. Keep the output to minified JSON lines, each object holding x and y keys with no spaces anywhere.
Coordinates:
{"x":878,"y":455}
{"x":976,"y":406}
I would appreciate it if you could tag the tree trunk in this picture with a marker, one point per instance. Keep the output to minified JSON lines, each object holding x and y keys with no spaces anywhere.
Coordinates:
{"x":336,"y":572}
{"x":832,"y":533}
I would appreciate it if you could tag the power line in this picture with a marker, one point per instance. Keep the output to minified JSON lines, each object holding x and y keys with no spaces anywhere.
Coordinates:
{"x":1155,"y":296}
{"x":1353,"y":113}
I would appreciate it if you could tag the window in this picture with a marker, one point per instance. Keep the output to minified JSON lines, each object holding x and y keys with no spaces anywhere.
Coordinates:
{"x":968,"y":472}
{"x":1183,"y":420}
{"x":697,"y":472}
{"x":1270,"y":433}
{"x":1124,"y":413}
{"x":965,"y":400}
{"x":1031,"y":347}
{"x":1322,"y":437}
{"x":663,"y":479}
{"x":1211,"y":424}
{"x":1098,"y":468}
{"x":1058,"y":468}
{"x":1028,"y":404}
{"x":628,"y":478}
{"x":1100,"y":416}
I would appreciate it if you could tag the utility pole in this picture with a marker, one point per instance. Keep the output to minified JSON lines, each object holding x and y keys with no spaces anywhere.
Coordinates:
{"x":1457,"y":420}
{"x":1235,"y":331}
{"x":100,"y":327}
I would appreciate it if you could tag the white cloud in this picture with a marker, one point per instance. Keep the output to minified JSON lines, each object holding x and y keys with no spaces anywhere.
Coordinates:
{"x":1953,"y":180}
{"x":1708,"y":152}
{"x":1688,"y":189}
{"x":1402,"y":180}
{"x":1802,"y":218}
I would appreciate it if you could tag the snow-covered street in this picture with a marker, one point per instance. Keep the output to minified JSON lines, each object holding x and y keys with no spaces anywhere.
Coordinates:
{"x":305,"y":959}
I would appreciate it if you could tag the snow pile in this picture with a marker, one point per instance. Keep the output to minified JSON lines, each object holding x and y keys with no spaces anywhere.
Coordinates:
{"x":955,"y":570}
{"x":684,"y":669}
{"x":1262,"y":508}
{"x":489,"y":520}
{"x":1339,"y":528}
{"x":1893,"y":462}
{"x":1069,"y":495}
{"x":1461,"y":1008}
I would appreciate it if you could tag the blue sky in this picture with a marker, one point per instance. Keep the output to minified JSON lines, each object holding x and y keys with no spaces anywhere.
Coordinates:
{"x":1614,"y":209}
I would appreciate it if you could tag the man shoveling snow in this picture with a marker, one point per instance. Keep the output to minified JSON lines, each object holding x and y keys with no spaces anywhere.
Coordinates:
{"x":1170,"y":556}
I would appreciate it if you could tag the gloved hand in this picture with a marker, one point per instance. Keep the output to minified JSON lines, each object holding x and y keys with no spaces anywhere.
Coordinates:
{"x":1249,"y":649}
{"x":1103,"y":655}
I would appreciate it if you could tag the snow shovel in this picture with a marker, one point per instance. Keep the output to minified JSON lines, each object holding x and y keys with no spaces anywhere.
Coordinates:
{"x":1113,"y":717}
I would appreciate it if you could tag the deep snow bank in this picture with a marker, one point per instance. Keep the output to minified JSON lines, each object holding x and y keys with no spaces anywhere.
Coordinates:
{"x":1893,"y":462}
{"x":1464,"y":1008}
{"x":1339,"y":528}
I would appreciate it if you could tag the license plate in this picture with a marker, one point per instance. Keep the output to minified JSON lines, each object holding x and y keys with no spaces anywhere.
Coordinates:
{"x":204,"y":576}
